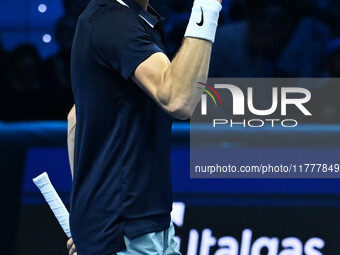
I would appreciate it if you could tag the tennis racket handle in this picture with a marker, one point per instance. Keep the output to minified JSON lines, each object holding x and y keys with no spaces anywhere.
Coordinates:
{"x":52,"y":198}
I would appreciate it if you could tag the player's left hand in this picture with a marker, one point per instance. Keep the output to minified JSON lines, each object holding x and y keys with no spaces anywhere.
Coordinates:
{"x":71,"y":247}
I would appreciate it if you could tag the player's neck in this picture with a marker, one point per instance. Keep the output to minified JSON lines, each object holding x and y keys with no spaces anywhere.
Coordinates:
{"x":143,"y":3}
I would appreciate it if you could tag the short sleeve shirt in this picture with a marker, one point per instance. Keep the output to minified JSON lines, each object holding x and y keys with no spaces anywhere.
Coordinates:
{"x":122,"y":179}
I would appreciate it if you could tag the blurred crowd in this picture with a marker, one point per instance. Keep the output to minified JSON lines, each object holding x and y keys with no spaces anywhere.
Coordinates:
{"x":35,"y":89}
{"x":255,"y":39}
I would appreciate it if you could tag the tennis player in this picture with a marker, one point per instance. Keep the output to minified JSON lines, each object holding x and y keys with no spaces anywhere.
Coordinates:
{"x":126,"y":93}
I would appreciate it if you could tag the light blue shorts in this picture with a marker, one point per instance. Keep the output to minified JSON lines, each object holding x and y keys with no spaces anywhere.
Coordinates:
{"x":156,"y":243}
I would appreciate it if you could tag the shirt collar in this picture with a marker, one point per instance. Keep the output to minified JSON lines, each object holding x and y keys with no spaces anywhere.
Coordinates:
{"x":147,"y":16}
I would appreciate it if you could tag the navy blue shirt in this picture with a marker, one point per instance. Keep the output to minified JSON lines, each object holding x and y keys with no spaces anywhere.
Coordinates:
{"x":122,"y":179}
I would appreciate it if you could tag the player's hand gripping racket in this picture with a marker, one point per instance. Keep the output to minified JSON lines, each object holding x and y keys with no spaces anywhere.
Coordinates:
{"x":54,"y":201}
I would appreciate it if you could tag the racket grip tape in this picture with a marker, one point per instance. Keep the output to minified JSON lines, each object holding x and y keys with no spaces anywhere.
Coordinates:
{"x":52,"y":198}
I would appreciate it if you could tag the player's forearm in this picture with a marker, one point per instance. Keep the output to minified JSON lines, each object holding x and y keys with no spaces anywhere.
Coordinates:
{"x":179,"y":92}
{"x":191,"y":65}
{"x":71,"y":132}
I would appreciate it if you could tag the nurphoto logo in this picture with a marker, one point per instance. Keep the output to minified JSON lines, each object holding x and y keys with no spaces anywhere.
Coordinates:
{"x":281,"y":97}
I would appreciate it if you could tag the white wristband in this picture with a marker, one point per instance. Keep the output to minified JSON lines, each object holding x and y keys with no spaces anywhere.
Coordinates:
{"x":203,"y":20}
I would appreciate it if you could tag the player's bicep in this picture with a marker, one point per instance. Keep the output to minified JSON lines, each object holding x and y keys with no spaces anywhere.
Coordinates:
{"x":150,"y":76}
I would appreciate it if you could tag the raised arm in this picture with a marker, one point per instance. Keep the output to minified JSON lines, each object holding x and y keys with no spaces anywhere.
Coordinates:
{"x":173,"y":85}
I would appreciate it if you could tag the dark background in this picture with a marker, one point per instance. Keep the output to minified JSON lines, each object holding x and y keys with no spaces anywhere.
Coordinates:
{"x":256,"y":38}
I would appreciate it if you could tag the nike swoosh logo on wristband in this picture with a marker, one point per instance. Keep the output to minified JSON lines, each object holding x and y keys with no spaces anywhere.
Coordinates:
{"x":202,"y":19}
